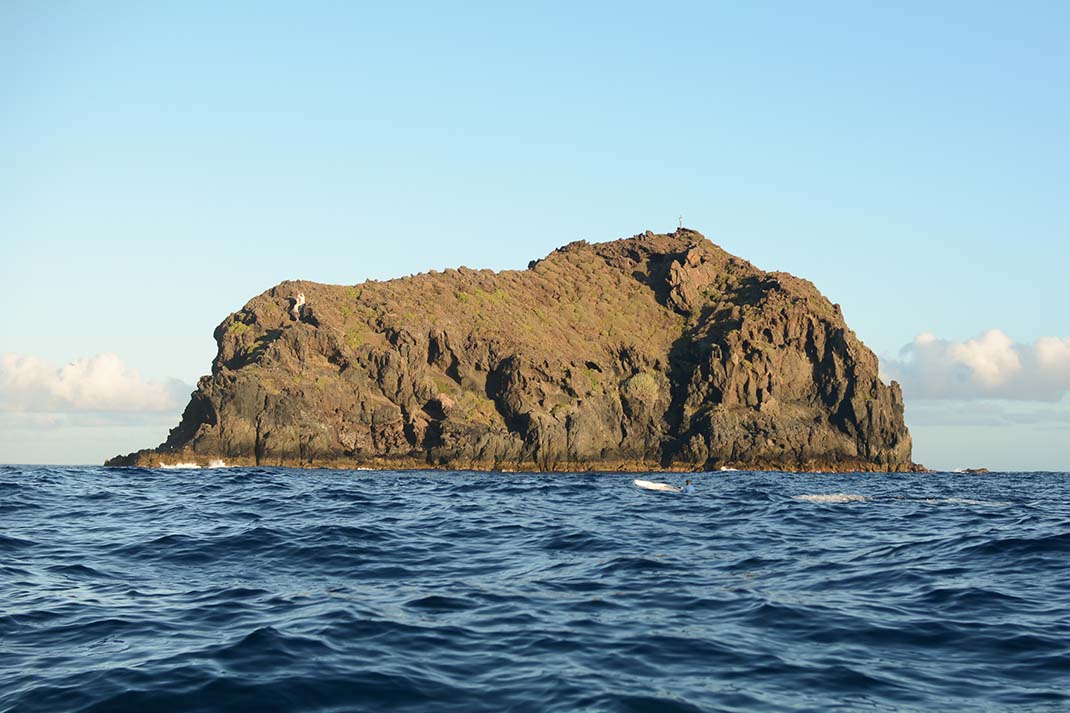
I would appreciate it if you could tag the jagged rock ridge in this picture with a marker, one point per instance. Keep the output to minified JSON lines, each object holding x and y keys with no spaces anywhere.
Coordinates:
{"x":652,"y":352}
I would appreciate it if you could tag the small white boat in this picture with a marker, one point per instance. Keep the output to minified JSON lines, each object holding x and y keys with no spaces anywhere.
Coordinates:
{"x":648,"y":485}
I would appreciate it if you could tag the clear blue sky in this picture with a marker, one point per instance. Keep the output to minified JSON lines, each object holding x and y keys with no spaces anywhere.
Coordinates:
{"x":160,"y":163}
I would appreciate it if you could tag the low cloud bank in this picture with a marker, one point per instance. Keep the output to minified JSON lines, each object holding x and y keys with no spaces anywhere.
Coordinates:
{"x":989,"y":413}
{"x":991,"y":366}
{"x":97,"y":384}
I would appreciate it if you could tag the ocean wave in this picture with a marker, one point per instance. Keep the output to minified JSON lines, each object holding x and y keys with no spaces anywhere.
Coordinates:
{"x":214,"y":463}
{"x":832,"y":498}
{"x":278,"y":590}
{"x":962,"y":501}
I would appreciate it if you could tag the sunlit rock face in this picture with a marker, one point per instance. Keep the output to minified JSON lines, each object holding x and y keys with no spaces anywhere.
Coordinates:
{"x":651,"y":352}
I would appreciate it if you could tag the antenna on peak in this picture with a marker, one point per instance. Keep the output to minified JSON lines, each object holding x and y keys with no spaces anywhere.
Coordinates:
{"x":681,"y":221}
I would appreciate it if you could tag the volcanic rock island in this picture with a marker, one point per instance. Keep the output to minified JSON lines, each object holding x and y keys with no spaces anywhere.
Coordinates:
{"x":655,"y":352}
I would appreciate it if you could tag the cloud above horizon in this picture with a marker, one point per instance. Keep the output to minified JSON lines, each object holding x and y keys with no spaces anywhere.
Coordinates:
{"x":991,"y":366}
{"x":989,"y":413}
{"x":102,"y":383}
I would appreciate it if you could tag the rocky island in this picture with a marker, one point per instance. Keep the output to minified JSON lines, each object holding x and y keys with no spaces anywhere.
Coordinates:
{"x":655,"y":352}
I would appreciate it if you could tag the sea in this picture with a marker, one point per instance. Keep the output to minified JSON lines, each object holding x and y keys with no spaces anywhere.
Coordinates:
{"x":270,"y":589}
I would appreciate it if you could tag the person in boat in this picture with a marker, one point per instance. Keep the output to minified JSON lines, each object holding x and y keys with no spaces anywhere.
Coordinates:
{"x":688,"y":487}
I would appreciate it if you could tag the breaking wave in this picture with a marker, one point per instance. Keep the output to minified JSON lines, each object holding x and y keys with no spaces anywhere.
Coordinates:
{"x":832,"y":498}
{"x":215,"y":463}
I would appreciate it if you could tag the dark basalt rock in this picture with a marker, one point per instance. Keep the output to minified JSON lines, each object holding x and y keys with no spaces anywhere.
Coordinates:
{"x":653,"y":352}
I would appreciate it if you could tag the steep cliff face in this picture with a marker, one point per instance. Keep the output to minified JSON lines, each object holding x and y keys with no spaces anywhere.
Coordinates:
{"x":653,"y":352}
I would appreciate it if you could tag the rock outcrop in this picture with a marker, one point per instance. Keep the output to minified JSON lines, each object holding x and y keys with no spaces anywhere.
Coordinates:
{"x":652,"y":352}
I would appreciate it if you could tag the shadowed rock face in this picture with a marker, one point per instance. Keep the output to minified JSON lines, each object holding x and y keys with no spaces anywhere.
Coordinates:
{"x":653,"y":352}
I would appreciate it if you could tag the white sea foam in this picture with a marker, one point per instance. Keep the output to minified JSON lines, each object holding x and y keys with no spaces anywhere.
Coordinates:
{"x":215,"y":463}
{"x":832,"y":498}
{"x":959,"y":501}
{"x":726,"y":469}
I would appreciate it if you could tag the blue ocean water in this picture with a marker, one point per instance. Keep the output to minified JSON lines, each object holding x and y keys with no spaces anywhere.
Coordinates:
{"x":261,"y":589}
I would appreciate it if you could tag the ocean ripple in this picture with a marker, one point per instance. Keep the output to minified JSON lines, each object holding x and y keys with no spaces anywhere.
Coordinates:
{"x":281,"y":590}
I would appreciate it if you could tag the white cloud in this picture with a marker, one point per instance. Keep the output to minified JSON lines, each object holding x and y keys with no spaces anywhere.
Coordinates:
{"x":991,"y":366}
{"x":996,"y":413}
{"x":100,"y":383}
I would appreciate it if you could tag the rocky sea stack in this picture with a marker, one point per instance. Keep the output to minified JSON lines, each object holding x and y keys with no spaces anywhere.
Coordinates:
{"x":650,"y":353}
